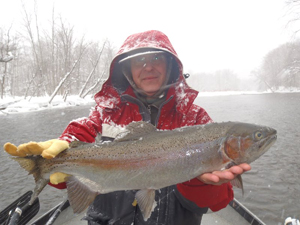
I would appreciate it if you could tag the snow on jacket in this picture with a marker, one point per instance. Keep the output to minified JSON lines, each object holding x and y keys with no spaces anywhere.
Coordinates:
{"x":117,"y":105}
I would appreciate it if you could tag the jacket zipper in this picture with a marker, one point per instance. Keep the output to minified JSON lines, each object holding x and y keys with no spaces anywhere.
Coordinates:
{"x":159,"y":109}
{"x":146,"y":118}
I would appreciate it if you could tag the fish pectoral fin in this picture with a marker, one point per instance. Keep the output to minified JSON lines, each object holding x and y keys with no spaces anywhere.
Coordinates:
{"x":238,"y":182}
{"x":80,"y":194}
{"x":145,"y":200}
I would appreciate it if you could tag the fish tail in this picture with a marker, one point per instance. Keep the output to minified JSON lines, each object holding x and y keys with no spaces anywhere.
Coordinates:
{"x":30,"y":164}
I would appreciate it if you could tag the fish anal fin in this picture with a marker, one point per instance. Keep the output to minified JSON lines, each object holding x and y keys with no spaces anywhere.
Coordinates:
{"x":146,"y":202}
{"x":135,"y":131}
{"x":80,"y":194}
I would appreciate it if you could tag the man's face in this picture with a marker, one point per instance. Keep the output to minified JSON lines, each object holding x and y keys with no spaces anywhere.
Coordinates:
{"x":149,"y":72}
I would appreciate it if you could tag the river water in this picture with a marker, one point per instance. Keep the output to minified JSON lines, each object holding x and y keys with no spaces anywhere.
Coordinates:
{"x":272,"y":187}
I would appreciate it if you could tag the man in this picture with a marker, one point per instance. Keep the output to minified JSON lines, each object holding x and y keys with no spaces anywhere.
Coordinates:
{"x":146,"y":83}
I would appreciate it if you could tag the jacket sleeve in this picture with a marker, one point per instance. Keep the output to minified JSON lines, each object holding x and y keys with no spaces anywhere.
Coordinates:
{"x":204,"y":195}
{"x":84,"y":129}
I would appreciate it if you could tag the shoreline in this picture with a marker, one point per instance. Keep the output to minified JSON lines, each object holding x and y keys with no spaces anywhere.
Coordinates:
{"x":13,"y":105}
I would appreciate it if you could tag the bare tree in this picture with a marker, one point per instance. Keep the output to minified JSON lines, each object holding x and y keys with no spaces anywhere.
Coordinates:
{"x":293,"y":15}
{"x":36,"y":50}
{"x":98,"y":81}
{"x":51,"y":62}
{"x":281,"y":67}
{"x":261,"y":79}
{"x":92,"y":72}
{"x":5,"y":57}
{"x":66,"y":77}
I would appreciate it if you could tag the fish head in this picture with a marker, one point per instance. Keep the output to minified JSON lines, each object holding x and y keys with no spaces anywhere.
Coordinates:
{"x":245,"y":143}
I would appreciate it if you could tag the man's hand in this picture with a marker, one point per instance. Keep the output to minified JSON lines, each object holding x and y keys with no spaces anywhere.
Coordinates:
{"x":224,"y":176}
{"x":47,"y":149}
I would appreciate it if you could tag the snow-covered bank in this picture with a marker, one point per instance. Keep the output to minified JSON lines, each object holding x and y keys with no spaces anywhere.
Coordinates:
{"x":12,"y":105}
{"x":225,"y":93}
{"x":20,"y":105}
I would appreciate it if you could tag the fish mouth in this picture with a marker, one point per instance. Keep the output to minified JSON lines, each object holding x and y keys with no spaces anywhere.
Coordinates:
{"x":264,"y":145}
{"x":269,"y":142}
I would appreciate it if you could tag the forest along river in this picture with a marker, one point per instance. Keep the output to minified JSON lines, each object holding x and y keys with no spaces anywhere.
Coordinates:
{"x":272,"y":187}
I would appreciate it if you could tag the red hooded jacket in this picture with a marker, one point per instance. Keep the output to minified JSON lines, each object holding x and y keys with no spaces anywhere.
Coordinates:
{"x":116,"y":104}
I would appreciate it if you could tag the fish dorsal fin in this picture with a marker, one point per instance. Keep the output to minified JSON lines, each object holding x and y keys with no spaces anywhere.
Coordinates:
{"x":135,"y":130}
{"x":145,"y":200}
{"x":80,"y":192}
{"x":74,"y":145}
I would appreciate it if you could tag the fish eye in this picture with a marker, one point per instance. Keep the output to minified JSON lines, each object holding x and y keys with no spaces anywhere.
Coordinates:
{"x":258,"y":135}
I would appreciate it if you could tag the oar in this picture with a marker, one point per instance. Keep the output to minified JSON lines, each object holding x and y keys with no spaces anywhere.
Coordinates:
{"x":19,"y":212}
{"x":50,"y":217}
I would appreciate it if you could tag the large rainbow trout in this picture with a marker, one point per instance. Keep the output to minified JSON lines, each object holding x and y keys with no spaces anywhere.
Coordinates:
{"x":145,"y":159}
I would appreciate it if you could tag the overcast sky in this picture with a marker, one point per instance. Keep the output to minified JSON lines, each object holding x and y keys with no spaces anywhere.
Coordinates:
{"x":208,"y":35}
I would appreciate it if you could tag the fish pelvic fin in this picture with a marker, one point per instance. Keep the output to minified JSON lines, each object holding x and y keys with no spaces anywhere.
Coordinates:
{"x":80,"y":195}
{"x":146,"y":202}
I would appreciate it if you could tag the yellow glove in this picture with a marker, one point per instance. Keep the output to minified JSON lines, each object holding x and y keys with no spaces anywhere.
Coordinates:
{"x":58,"y":177}
{"x":47,"y":149}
